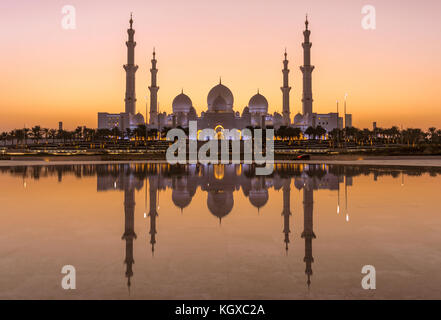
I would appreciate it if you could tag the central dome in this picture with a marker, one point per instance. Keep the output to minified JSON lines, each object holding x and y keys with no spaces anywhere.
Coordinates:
{"x":224,"y":104}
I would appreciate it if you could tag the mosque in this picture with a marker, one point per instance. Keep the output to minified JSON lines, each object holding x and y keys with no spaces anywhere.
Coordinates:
{"x":220,"y":113}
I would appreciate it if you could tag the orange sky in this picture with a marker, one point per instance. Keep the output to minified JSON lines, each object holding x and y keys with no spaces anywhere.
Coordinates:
{"x":49,"y":74}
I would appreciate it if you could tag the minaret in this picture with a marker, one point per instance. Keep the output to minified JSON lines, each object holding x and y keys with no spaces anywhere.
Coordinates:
{"x":154,"y":94}
{"x":286,"y":213}
{"x":308,"y":232}
{"x":285,"y":90}
{"x":307,"y":69}
{"x":129,"y":230}
{"x":130,"y":67}
{"x":153,"y":185}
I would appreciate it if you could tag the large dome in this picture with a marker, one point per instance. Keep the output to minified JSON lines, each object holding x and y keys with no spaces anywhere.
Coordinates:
{"x":258,"y":104}
{"x":182,"y":103}
{"x":225,"y":103}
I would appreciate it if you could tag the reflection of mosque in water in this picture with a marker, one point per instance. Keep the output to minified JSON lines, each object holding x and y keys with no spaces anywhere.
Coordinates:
{"x":219,"y":181}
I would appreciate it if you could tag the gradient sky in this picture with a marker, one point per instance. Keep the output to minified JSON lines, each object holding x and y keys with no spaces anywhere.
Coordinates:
{"x":392,"y":74}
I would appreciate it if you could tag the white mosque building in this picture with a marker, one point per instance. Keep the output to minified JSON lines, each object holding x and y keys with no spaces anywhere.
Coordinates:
{"x":220,"y":113}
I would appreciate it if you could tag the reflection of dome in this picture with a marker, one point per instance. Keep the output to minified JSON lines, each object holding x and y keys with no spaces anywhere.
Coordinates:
{"x":182,"y":103}
{"x":220,"y":203}
{"x":298,"y":118}
{"x":258,"y":104}
{"x":258,"y":198}
{"x":226,"y":101}
{"x":181,"y":198}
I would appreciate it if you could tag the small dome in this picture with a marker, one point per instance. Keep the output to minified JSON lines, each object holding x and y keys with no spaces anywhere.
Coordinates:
{"x":277,"y":116}
{"x":220,"y":91}
{"x":258,"y":104}
{"x":137,"y":119}
{"x":246,"y":111}
{"x":298,"y":118}
{"x":182,"y":103}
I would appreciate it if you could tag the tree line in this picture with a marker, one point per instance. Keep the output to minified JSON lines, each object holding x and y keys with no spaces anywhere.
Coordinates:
{"x":393,"y":135}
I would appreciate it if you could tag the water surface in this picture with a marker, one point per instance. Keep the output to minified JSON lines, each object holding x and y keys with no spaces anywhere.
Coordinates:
{"x":154,"y":231}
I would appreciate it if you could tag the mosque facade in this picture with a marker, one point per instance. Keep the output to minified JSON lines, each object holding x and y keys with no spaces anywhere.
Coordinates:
{"x":220,"y":113}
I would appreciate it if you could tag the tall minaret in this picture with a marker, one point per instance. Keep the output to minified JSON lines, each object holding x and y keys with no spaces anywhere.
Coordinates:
{"x":130,"y":68}
{"x":307,"y":69}
{"x":154,"y":93}
{"x":308,"y":231}
{"x":285,"y":90}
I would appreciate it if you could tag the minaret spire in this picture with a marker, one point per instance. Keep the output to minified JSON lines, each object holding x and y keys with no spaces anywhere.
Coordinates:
{"x":285,"y":92}
{"x":154,"y":93}
{"x":307,"y":69}
{"x":130,"y":68}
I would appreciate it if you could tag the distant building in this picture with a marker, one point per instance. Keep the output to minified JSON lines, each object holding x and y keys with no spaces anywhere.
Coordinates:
{"x":60,"y":126}
{"x":374,"y":126}
{"x":348,"y":120}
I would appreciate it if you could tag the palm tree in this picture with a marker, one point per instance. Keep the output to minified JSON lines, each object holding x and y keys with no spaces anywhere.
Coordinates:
{"x":25,"y":135}
{"x":36,"y":133}
{"x":52,"y":134}
{"x":4,"y":137}
{"x":20,"y":135}
{"x":45,"y":132}
{"x":310,"y":131}
{"x":432,"y":134}
{"x":320,"y":132}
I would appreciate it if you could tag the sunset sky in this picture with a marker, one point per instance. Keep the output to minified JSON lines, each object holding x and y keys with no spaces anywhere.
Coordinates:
{"x":392,"y":74}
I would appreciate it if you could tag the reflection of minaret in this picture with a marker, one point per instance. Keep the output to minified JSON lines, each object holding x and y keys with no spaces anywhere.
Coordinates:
{"x":286,"y":211}
{"x":154,"y":93}
{"x":308,"y":232}
{"x":153,"y":213}
{"x":129,"y":230}
{"x":130,"y":67}
{"x":285,"y":90}
{"x":307,"y":69}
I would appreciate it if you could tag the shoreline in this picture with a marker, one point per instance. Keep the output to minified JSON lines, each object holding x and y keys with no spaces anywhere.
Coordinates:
{"x":409,"y":161}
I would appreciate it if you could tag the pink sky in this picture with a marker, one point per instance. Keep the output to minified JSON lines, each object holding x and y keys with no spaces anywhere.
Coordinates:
{"x":392,"y":74}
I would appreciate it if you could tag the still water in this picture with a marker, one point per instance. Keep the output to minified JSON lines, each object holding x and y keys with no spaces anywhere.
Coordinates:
{"x":154,"y":231}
